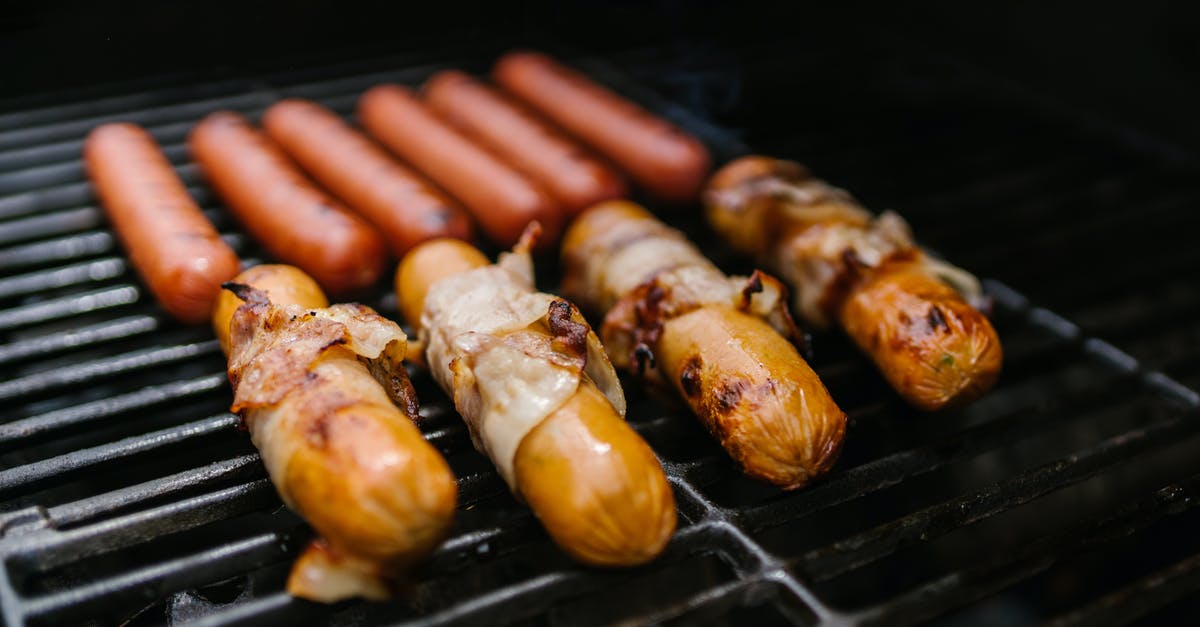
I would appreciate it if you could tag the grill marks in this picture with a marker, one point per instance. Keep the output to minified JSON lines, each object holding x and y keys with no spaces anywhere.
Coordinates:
{"x":937,"y":319}
{"x":689,"y":377}
{"x":569,"y":335}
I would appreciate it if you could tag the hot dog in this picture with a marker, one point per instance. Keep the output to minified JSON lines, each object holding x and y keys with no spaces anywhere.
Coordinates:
{"x":908,"y":311}
{"x":402,"y":204}
{"x":318,"y":388}
{"x":540,"y":399}
{"x":502,"y":200}
{"x":720,"y":342}
{"x":668,"y":163}
{"x":293,"y":219}
{"x":575,"y":178}
{"x":173,"y":247}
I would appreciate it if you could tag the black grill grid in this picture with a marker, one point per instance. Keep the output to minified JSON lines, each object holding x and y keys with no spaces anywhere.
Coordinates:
{"x":126,"y":491}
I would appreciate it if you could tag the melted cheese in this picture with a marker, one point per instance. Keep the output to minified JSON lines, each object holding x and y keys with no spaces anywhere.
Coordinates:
{"x":488,"y":345}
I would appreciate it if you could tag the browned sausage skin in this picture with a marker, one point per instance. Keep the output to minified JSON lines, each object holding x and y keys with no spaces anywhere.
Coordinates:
{"x":720,"y":342}
{"x":293,"y":219}
{"x":574,"y":177}
{"x":402,"y":204}
{"x":319,"y":389}
{"x":501,"y":199}
{"x":665,"y":161}
{"x":908,"y":311}
{"x":172,"y":246}
{"x":560,"y":440}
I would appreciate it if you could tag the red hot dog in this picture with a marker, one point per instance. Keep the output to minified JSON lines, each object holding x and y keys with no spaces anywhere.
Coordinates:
{"x":173,"y":247}
{"x":573,"y":176}
{"x":500,"y":198}
{"x":402,"y":204}
{"x":293,"y":219}
{"x":668,"y":163}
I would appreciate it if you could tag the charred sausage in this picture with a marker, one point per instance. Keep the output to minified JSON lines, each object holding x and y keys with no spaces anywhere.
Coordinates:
{"x":909,"y":312}
{"x":721,"y":342}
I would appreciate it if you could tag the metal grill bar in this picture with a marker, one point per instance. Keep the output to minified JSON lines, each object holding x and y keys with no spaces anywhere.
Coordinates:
{"x":88,"y":509}
{"x":936,"y":597}
{"x":64,"y":466}
{"x":940,"y":519}
{"x":1140,"y":598}
{"x":52,"y":224}
{"x":134,"y":101}
{"x":891,"y":470}
{"x":87,"y":372}
{"x":45,"y":550}
{"x":69,"y":129}
{"x":66,"y":276}
{"x":59,"y":249}
{"x":44,"y":345}
{"x":28,"y":429}
{"x":156,"y":580}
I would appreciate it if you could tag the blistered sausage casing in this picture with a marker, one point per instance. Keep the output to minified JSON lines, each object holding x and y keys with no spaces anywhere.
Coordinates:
{"x":721,"y":342}
{"x":910,"y":312}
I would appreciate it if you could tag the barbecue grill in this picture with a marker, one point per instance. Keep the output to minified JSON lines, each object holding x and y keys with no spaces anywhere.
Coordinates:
{"x":128,"y":494}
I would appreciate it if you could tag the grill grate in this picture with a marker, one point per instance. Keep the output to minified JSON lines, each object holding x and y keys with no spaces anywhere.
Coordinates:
{"x":126,"y":492}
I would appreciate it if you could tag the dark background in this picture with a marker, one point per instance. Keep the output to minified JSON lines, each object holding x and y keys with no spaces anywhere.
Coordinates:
{"x":1136,"y":62}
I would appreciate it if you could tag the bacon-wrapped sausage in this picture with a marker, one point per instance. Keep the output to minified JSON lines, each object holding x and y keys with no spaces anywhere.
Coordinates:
{"x":914,"y":315}
{"x":328,"y":404}
{"x":721,"y":342}
{"x":540,"y":398}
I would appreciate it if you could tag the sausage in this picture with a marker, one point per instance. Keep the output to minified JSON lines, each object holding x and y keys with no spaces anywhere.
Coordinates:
{"x":540,"y":399}
{"x":664,"y":160}
{"x":284,"y":285}
{"x":574,"y":177}
{"x":720,"y":342}
{"x":293,"y":219}
{"x":405,"y":207}
{"x":173,"y":247}
{"x":910,"y":313}
{"x":502,"y":200}
{"x":318,"y":388}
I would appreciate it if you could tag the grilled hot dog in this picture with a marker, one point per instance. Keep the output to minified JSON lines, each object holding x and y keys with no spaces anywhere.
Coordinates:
{"x":668,"y":163}
{"x":173,"y":247}
{"x":501,"y":199}
{"x":402,"y":204}
{"x":292,"y":218}
{"x":721,"y":342}
{"x":908,"y":311}
{"x":318,"y":389}
{"x":540,"y":399}
{"x":575,"y":178}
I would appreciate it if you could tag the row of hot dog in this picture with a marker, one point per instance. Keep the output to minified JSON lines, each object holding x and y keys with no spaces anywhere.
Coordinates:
{"x":321,"y":388}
